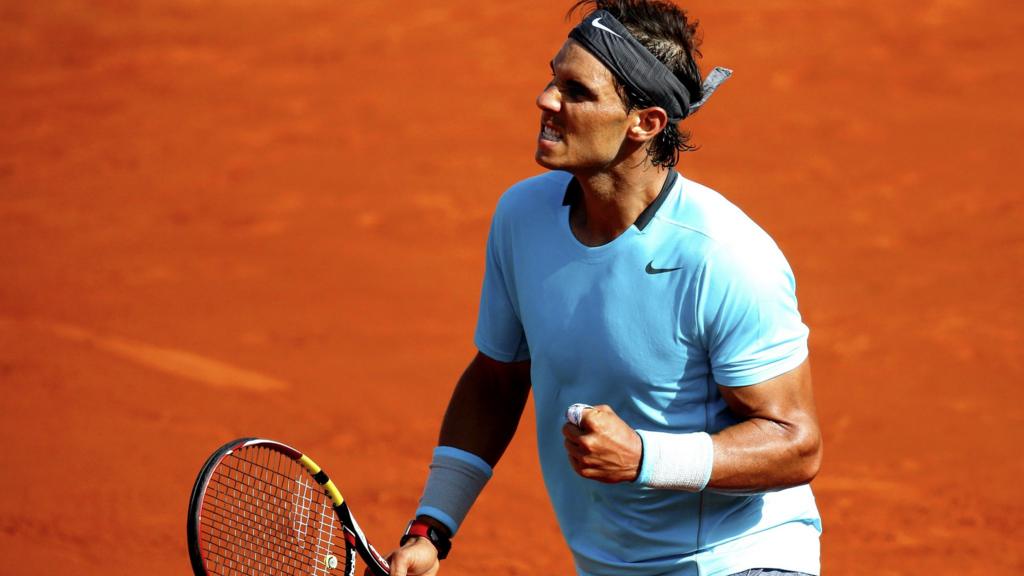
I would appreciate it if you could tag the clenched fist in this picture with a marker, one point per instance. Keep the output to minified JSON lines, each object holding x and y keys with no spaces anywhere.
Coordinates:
{"x":603,"y":447}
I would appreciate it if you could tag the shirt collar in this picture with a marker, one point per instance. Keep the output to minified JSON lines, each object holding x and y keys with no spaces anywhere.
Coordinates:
{"x":573,"y":193}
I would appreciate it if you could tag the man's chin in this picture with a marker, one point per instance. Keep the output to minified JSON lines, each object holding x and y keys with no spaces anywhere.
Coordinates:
{"x":545,"y":161}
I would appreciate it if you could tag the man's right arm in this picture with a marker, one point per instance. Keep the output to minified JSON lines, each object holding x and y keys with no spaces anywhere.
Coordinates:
{"x":482,"y":417}
{"x":485,"y":408}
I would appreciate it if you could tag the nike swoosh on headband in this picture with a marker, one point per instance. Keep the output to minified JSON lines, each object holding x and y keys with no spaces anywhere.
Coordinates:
{"x":597,"y":24}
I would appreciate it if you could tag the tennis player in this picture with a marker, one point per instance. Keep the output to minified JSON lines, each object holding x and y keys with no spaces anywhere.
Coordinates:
{"x":657,"y":312}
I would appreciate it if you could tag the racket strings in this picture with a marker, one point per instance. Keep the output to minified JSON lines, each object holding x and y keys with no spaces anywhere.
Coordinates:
{"x":255,"y":534}
{"x":265,"y":541}
{"x":263,"y":515}
{"x":259,"y":539}
{"x":233,"y":506}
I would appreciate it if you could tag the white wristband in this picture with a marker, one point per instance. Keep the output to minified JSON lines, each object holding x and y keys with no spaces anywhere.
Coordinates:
{"x":456,"y":478}
{"x":676,"y":461}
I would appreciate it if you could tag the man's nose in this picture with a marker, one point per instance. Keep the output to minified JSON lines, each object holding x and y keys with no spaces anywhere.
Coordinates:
{"x":549,"y":98}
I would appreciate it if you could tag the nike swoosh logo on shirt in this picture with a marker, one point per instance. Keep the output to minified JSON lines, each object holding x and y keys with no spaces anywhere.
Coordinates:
{"x":650,"y":269}
{"x":597,"y":24}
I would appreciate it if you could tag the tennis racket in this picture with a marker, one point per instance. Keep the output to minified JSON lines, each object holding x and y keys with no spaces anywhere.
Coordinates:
{"x":262,"y":507}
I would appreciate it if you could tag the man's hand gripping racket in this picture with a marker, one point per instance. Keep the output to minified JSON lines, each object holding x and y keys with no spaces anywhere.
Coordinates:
{"x":262,"y":507}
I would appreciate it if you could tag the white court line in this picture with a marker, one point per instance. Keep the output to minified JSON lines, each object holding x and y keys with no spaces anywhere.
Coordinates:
{"x":170,"y":360}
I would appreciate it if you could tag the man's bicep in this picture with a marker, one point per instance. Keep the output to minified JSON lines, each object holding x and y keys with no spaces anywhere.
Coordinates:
{"x":777,"y":443}
{"x":787,"y":398}
{"x":515,"y":374}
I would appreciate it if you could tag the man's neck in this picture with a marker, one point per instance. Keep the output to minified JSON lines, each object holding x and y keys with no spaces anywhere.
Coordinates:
{"x":612,"y":201}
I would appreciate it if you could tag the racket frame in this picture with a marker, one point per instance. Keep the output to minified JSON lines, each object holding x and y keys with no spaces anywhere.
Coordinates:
{"x":354,"y":537}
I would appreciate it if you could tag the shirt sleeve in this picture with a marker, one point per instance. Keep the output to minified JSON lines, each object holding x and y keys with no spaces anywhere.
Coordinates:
{"x":748,"y":312}
{"x":499,"y":331}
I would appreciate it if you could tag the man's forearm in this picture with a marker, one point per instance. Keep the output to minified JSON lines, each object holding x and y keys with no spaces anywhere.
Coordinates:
{"x":481,"y":420}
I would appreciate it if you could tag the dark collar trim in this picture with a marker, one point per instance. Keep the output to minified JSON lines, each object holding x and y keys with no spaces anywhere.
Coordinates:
{"x":573,"y":192}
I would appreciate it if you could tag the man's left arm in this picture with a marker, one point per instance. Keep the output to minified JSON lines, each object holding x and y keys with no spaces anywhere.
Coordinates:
{"x":778,"y":443}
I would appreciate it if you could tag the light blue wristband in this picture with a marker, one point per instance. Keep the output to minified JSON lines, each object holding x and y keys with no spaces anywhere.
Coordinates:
{"x":456,"y":479}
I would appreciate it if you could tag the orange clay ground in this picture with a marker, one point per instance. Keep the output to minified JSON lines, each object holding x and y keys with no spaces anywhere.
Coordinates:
{"x":254,"y":217}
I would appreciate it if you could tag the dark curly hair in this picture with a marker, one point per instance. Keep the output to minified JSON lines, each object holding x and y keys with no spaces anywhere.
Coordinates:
{"x":666,"y":32}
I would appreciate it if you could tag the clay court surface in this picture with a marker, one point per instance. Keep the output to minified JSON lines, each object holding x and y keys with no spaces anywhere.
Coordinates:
{"x":221,"y":219}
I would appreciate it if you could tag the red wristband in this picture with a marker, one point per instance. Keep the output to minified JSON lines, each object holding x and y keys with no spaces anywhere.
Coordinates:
{"x":423,"y":530}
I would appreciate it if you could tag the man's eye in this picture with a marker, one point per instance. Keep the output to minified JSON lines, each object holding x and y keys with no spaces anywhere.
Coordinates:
{"x":571,"y":89}
{"x":575,"y":90}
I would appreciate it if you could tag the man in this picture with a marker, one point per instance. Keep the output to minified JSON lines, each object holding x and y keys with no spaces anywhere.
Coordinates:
{"x":613,"y":280}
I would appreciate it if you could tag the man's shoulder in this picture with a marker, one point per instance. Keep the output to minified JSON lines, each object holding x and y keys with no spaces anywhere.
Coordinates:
{"x":543,"y":190}
{"x":549,"y":179}
{"x":702,"y":210}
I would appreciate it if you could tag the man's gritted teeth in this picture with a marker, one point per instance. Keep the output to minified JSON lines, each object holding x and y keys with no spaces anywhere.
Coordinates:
{"x":549,"y":133}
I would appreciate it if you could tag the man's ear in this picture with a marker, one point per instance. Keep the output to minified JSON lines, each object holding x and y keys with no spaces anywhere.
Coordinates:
{"x":648,"y":123}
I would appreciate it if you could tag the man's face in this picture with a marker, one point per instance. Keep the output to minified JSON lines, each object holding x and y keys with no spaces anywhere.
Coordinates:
{"x":583,"y":119}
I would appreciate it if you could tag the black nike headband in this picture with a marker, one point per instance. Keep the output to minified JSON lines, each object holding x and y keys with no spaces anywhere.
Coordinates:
{"x":609,"y":41}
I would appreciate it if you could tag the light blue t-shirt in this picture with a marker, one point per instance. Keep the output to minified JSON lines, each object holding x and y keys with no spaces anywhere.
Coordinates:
{"x":650,"y":324}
